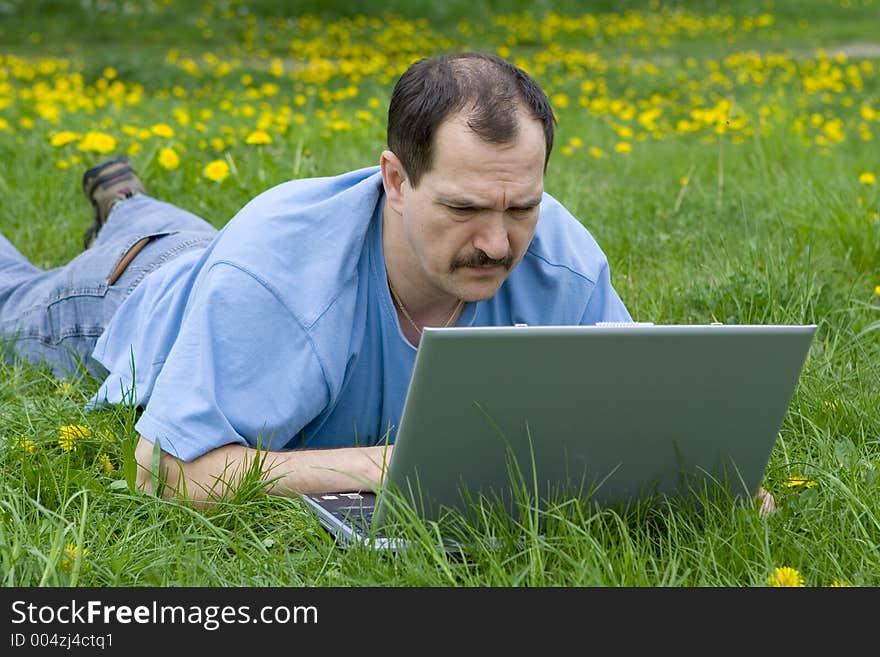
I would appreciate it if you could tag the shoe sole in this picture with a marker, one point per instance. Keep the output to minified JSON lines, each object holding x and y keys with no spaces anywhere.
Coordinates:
{"x":109,"y":178}
{"x":88,"y":180}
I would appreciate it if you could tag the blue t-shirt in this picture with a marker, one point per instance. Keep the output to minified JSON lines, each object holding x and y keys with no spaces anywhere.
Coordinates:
{"x":282,"y":332}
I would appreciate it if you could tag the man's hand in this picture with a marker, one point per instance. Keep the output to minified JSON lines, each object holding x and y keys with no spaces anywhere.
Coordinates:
{"x":765,"y":501}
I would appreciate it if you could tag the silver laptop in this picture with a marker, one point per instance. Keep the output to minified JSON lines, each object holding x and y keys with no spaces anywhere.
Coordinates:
{"x":613,"y":413}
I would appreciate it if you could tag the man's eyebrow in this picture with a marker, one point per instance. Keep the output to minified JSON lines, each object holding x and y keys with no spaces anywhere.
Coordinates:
{"x":460,"y":202}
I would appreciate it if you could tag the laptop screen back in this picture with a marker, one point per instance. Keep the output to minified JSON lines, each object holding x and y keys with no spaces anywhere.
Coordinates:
{"x":618,"y":412}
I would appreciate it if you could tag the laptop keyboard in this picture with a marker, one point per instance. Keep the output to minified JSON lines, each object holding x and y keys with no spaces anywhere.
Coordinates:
{"x":355,"y":509}
{"x":359,"y":517}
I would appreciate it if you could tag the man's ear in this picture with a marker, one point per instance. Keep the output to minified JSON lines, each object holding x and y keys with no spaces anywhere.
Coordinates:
{"x":393,"y":179}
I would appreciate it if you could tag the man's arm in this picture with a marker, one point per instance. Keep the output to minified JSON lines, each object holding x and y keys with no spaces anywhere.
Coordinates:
{"x":216,"y":474}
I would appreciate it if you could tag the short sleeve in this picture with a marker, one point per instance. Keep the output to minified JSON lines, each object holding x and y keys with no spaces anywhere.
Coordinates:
{"x":604,"y":304}
{"x":242,"y":370}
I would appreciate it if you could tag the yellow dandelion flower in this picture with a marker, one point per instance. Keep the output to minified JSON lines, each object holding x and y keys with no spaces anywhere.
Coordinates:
{"x":596,"y":152}
{"x":182,"y":116}
{"x":840,"y":583}
{"x":69,"y":434}
{"x":168,"y":158}
{"x":218,"y":171}
{"x":63,"y":138}
{"x":373,"y":102}
{"x":134,"y":149}
{"x":258,"y":137}
{"x":64,"y":388}
{"x":684,"y":180}
{"x":576,"y":142}
{"x":72,"y":554}
{"x":559,"y":100}
{"x":623,"y":147}
{"x":26,"y":445}
{"x":99,"y":142}
{"x":877,"y":290}
{"x":110,"y":73}
{"x":162,"y":130}
{"x":106,"y":463}
{"x":62,"y":164}
{"x":797,"y":481}
{"x":867,"y":178}
{"x":785,"y":577}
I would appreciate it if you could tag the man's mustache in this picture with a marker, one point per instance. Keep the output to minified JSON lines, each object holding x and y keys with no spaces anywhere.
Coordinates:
{"x":480,"y":259}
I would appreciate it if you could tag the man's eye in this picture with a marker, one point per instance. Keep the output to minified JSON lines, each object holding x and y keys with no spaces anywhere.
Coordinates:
{"x":461,"y":212}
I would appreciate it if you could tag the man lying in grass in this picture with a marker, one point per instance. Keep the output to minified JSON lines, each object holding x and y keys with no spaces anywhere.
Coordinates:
{"x":294,"y":329}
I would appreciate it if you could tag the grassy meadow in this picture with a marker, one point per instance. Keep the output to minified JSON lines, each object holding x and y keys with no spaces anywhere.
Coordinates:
{"x":726,"y":156}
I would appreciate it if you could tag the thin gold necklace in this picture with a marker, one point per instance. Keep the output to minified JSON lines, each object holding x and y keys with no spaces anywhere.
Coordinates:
{"x":409,"y":317}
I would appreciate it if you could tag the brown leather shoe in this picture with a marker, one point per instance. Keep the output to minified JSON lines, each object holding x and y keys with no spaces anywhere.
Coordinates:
{"x":103,"y":185}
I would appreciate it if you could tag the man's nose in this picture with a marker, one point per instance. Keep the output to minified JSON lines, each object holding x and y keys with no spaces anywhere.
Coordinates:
{"x":492,"y":239}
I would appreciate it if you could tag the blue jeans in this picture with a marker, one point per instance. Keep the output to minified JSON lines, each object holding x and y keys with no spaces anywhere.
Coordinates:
{"x":56,"y":316}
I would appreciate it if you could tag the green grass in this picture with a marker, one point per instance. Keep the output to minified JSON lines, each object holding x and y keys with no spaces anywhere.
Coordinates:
{"x":776,"y":223}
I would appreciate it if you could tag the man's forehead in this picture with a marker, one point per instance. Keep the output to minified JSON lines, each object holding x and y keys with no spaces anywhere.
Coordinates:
{"x":473,"y":194}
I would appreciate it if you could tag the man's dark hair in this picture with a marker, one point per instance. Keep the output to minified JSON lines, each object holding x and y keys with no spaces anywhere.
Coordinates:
{"x":488,"y":88}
